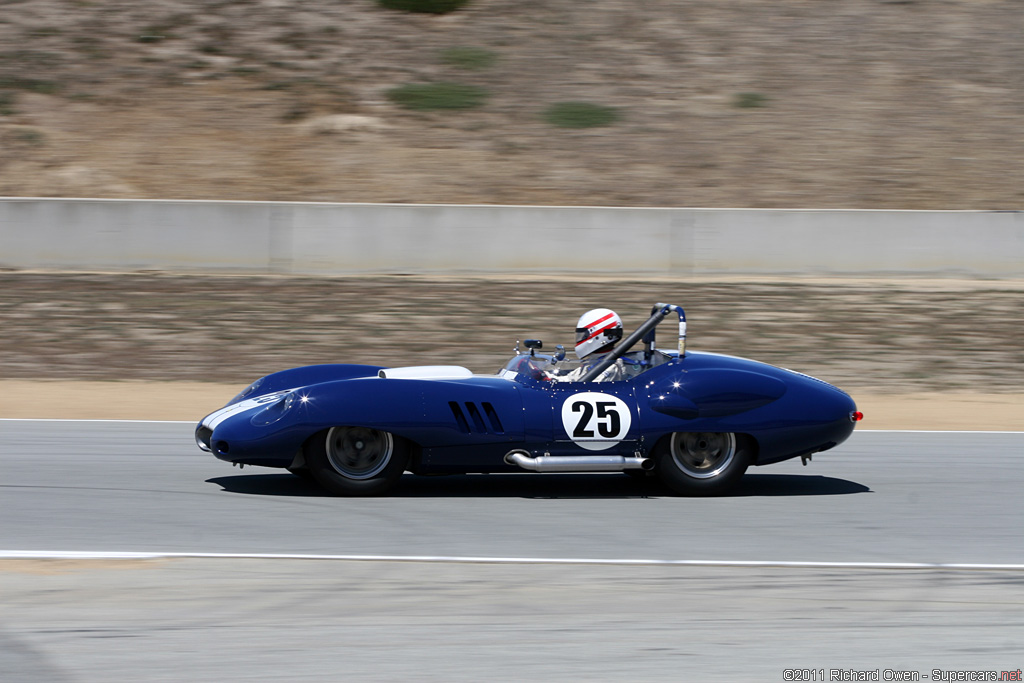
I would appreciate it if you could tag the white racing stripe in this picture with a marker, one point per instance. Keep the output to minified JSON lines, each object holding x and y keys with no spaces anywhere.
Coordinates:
{"x":218,"y":416}
{"x":444,"y":559}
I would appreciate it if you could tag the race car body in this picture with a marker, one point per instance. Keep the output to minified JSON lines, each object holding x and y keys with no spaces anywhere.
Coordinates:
{"x":695,"y":420}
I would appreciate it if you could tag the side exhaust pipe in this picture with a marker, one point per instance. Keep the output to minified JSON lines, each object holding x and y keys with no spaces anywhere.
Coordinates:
{"x":577,"y":463}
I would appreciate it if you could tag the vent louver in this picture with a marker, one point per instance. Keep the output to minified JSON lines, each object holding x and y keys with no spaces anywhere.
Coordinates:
{"x":473,"y":418}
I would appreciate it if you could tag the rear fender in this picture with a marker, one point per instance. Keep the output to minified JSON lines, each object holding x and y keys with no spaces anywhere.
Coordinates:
{"x":713,"y":393}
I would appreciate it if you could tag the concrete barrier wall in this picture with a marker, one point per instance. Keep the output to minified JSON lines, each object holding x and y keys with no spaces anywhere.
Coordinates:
{"x":338,"y":239}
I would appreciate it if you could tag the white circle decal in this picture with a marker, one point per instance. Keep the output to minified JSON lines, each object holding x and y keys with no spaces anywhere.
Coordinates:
{"x":595,"y":421}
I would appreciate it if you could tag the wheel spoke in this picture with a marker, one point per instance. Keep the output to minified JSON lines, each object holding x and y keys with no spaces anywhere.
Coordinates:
{"x":703,"y":455}
{"x":359,"y":452}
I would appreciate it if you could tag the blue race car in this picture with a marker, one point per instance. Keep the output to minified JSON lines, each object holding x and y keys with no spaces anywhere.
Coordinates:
{"x":694,"y":420}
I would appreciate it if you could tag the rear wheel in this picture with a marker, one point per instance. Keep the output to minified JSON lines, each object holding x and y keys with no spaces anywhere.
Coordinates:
{"x":356,"y":461}
{"x":703,"y":463}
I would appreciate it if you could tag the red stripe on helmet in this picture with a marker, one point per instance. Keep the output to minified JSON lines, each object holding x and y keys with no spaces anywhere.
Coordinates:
{"x":606,"y":327}
{"x":601,"y":320}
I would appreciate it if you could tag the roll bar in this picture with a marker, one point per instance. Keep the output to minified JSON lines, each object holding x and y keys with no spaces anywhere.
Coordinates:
{"x":645,"y":331}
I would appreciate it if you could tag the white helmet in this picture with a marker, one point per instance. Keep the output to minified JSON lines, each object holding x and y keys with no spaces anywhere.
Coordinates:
{"x":597,"y":329}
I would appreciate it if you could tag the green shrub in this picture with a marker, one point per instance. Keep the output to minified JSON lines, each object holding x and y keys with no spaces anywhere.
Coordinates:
{"x":7,"y":100}
{"x":164,"y":30}
{"x":580,"y":115}
{"x":30,"y":137}
{"x":297,"y":112}
{"x":43,"y":87}
{"x":44,"y":32}
{"x":750,"y":100}
{"x":30,"y":59}
{"x":424,"y":6}
{"x":469,"y":58}
{"x":90,"y":46}
{"x":427,"y":96}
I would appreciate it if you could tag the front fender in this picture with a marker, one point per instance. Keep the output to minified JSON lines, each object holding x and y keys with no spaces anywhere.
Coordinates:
{"x":304,"y":376}
{"x":432,"y":413}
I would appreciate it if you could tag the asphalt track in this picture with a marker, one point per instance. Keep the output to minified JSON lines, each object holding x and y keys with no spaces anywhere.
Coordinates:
{"x":828,"y":584}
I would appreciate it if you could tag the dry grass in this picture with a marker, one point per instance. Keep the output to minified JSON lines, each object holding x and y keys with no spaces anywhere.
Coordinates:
{"x":863,"y":103}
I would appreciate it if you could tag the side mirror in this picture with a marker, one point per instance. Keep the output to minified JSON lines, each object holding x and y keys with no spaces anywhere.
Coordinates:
{"x":559,"y":352}
{"x":533,"y":344}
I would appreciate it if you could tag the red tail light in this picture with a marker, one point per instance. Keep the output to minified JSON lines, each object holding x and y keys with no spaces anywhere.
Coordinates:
{"x":856,"y":416}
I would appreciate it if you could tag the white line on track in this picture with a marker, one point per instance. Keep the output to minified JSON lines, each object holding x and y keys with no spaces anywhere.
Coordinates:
{"x":442,"y":559}
{"x":192,"y":422}
{"x":935,"y":431}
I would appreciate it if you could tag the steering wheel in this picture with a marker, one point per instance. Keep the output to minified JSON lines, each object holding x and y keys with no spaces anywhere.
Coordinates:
{"x":527,"y":367}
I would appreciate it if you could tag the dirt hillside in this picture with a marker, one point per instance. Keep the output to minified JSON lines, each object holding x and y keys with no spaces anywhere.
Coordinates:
{"x":747,"y":103}
{"x":914,"y":354}
{"x":887,"y":336}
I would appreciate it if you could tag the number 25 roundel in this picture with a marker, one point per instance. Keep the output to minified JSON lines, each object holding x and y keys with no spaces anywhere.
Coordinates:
{"x":595,"y":421}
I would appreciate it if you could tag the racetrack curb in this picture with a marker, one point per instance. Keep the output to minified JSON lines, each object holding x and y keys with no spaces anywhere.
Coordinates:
{"x":441,"y":559}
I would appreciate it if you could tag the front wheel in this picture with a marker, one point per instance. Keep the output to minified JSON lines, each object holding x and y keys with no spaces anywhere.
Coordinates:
{"x":702,"y":463}
{"x":356,"y":461}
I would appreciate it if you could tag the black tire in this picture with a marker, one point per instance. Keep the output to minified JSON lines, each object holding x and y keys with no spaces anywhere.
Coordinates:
{"x":356,"y":461}
{"x":703,"y":463}
{"x":302,"y":472}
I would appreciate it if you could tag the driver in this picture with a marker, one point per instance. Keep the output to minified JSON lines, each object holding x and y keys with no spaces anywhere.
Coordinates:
{"x":597,"y":333}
